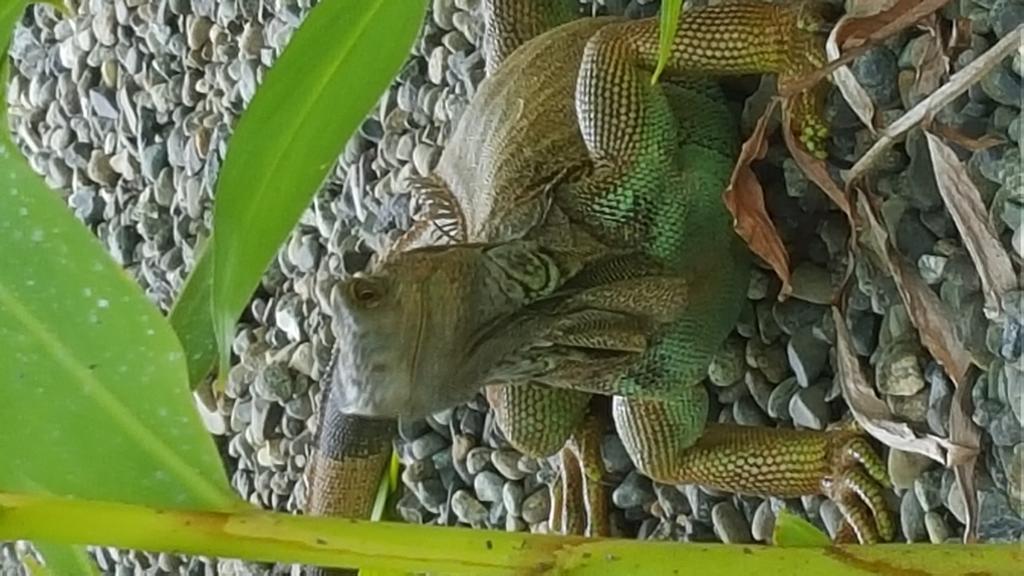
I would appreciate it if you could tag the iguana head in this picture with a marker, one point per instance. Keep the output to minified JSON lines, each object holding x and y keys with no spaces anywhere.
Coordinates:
{"x":419,"y":333}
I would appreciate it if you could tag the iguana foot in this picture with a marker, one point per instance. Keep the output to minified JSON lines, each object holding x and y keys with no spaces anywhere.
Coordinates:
{"x":769,"y":461}
{"x":855,"y":484}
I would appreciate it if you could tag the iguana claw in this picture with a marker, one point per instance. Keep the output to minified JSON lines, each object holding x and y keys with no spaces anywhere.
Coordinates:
{"x":855,"y":485}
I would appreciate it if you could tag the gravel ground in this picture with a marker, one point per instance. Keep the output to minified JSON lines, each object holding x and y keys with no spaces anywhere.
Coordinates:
{"x":127,"y":107}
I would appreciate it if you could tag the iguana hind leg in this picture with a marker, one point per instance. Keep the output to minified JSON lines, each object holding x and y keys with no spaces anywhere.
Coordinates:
{"x":763,"y":461}
{"x":541,"y":421}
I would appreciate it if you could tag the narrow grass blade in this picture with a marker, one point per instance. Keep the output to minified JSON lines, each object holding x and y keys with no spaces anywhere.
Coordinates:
{"x":668,"y":24}
{"x":191,"y":318}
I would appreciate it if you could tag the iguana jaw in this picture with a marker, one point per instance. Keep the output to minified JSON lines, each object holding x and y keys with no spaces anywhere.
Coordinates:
{"x":421,"y":333}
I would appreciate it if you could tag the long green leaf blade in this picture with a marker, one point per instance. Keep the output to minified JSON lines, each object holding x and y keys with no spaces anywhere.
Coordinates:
{"x":668,"y":23}
{"x":191,"y":320}
{"x":313,"y":98}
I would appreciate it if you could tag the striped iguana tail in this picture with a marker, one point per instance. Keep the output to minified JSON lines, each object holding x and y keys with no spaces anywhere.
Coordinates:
{"x":350,"y":455}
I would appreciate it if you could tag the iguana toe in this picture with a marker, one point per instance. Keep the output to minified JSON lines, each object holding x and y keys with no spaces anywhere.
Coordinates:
{"x":856,"y":485}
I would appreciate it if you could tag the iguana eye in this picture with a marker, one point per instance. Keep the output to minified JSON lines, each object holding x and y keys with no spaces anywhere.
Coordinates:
{"x":364,"y":292}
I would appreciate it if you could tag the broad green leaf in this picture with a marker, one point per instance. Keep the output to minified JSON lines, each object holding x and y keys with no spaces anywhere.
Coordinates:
{"x":667,"y":25}
{"x":793,"y":531}
{"x":94,"y":400}
{"x":190,"y":318}
{"x":335,"y":67}
{"x":60,"y":558}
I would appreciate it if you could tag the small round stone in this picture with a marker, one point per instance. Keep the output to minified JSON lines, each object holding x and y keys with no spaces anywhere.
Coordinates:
{"x":729,"y":524}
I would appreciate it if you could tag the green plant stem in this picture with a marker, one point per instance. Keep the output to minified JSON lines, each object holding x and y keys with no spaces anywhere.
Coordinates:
{"x":276,"y":537}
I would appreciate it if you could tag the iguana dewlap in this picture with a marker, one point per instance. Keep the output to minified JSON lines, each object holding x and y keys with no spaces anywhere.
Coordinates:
{"x":585,"y":250}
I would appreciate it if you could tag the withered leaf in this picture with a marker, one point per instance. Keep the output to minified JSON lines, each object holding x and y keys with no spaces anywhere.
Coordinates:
{"x":870,"y":412}
{"x":861,"y":33}
{"x":744,"y":198}
{"x":964,"y":203}
{"x":854,"y":94}
{"x":927,"y":312}
{"x":924,"y":110}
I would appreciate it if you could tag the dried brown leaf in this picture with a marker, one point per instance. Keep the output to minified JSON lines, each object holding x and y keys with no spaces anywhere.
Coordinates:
{"x":964,"y":203}
{"x":960,"y":35}
{"x":964,"y":434}
{"x":866,"y":8}
{"x":964,"y":141}
{"x":923,"y":112}
{"x":744,"y":198}
{"x":861,"y":33}
{"x":901,"y":15}
{"x":930,"y":315}
{"x":854,"y":94}
{"x":870,"y":412}
{"x":931,"y":65}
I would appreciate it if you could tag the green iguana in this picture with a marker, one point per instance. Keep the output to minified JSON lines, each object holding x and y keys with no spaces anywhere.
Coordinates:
{"x":577,"y":245}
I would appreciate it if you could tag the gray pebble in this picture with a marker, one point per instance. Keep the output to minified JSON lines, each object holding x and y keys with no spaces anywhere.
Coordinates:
{"x":898,"y":371}
{"x":780,"y":399}
{"x":759,"y":388}
{"x":478,"y":459}
{"x":634,"y":491}
{"x":537,"y":506}
{"x":906,"y":467}
{"x":488,"y":486}
{"x":468,"y":509}
{"x":266,"y":416}
{"x":671,"y":501}
{"x":936,"y":527}
{"x":274,"y":382}
{"x":512,"y":496}
{"x":700,"y":502}
{"x":729,"y":524}
{"x":506,"y":462}
{"x":762,"y":526}
{"x":727,"y":367}
{"x":831,"y":517}
{"x":912,"y":518}
{"x":427,"y":445}
{"x":614,"y":456}
{"x":809,"y":409}
{"x":747,"y":413}
{"x":807,"y":356}
{"x":812,"y":283}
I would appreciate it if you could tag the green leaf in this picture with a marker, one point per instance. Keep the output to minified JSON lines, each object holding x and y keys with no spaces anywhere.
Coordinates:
{"x":793,"y":531}
{"x":667,"y":25}
{"x":93,"y":394}
{"x":334,"y":69}
{"x":191,"y":320}
{"x":324,"y":541}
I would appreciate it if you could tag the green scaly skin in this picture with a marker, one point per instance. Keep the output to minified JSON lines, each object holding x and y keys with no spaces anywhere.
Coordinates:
{"x":618,"y":273}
